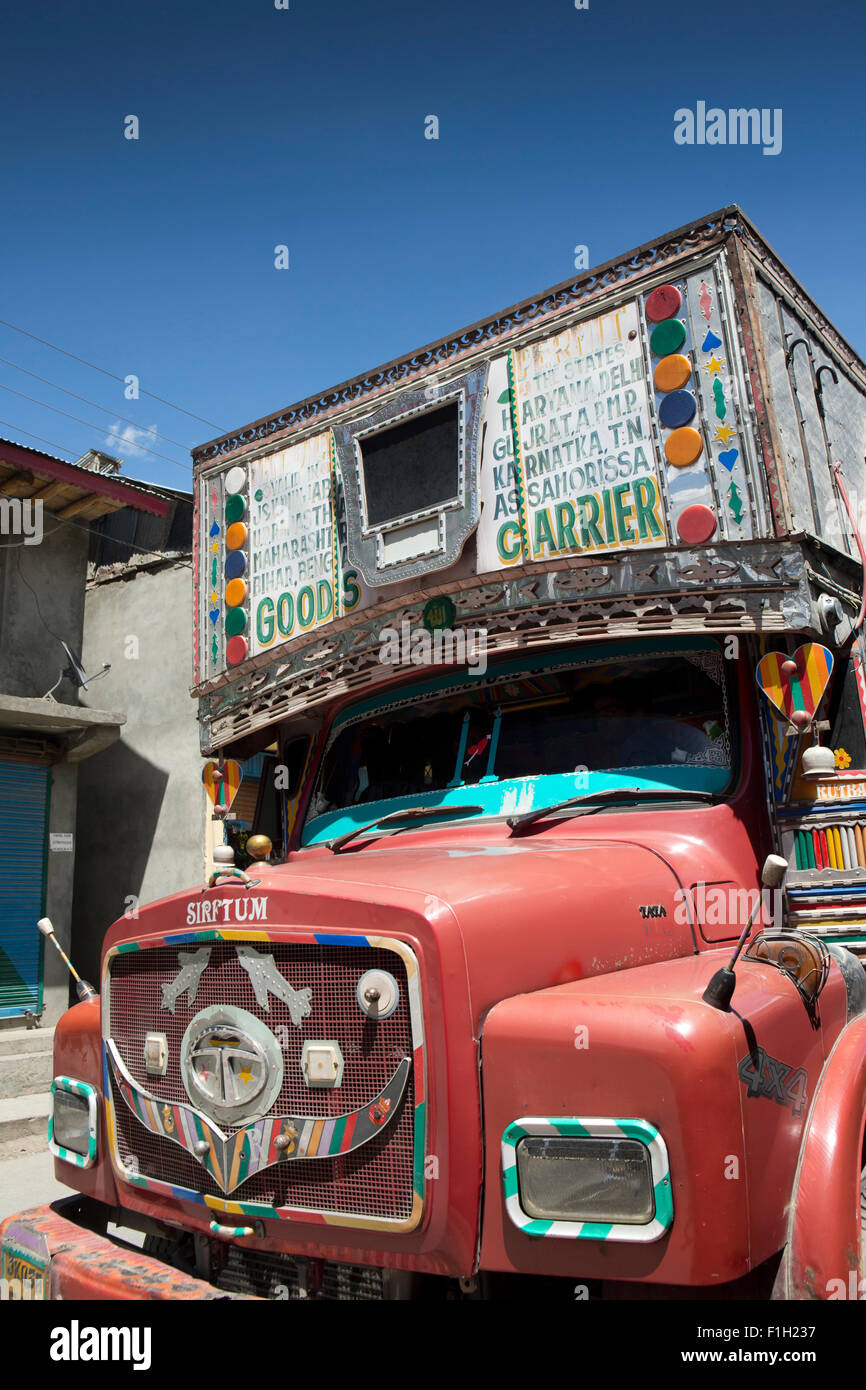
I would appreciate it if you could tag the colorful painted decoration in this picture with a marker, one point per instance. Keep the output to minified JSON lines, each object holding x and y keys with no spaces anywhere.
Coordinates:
{"x":706,"y":302}
{"x":222,"y":785}
{"x":214,"y":530}
{"x":672,"y":373}
{"x":231,"y":1159}
{"x":711,"y":341}
{"x":236,"y":592}
{"x":677,"y":408}
{"x":728,"y":458}
{"x":714,"y":365}
{"x":235,"y":508}
{"x":236,"y":564}
{"x":843,"y":759}
{"x":663,"y":303}
{"x":683,"y":447}
{"x":719,"y":397}
{"x":439,"y":614}
{"x":236,"y":650}
{"x":795,"y":685}
{"x":723,"y":434}
{"x":735,"y":503}
{"x":696,"y":525}
{"x":235,"y":479}
{"x":668,"y":337}
{"x":235,"y":536}
{"x":236,"y":621}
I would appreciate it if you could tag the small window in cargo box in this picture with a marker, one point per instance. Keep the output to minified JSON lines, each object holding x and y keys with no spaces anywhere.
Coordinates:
{"x":412,"y":467}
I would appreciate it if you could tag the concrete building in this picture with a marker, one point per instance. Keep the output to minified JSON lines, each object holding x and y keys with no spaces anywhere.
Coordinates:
{"x":143,"y":828}
{"x":47,"y":734}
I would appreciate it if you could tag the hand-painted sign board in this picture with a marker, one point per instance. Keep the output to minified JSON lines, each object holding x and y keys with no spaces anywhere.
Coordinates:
{"x":624,"y":430}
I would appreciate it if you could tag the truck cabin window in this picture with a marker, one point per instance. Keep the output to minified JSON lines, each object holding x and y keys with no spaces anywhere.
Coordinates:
{"x":530,"y":737}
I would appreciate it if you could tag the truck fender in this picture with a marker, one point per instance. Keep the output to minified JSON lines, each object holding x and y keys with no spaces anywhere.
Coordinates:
{"x":822,"y":1257}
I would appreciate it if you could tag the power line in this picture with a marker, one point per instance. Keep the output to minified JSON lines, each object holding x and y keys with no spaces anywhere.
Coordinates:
{"x":31,"y":435}
{"x":100,"y":429}
{"x":113,"y":375}
{"x":46,"y":382}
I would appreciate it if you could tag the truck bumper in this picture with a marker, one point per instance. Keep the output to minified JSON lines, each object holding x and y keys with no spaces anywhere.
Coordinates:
{"x":45,"y":1255}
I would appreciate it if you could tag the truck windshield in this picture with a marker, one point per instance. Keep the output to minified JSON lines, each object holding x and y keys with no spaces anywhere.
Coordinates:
{"x":528,"y":735}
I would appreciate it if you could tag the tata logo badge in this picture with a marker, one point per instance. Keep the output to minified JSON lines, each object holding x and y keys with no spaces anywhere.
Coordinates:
{"x":322,"y":1063}
{"x":231,"y":1065}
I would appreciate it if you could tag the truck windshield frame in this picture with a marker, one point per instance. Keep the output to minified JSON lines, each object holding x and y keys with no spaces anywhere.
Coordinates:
{"x":530,"y":733}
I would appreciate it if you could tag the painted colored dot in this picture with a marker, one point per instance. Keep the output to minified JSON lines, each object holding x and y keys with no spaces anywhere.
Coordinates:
{"x":259,"y":494}
{"x":235,"y":536}
{"x":235,"y":508}
{"x":236,"y":621}
{"x":236,"y":650}
{"x":683,"y":447}
{"x":663,"y":303}
{"x":696,"y":525}
{"x":672,"y":373}
{"x":667,"y":337}
{"x":236,"y":592}
{"x":676,"y":409}
{"x":235,"y":479}
{"x":236,"y":564}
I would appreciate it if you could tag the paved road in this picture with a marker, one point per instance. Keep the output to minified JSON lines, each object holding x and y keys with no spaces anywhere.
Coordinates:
{"x":27,"y":1176}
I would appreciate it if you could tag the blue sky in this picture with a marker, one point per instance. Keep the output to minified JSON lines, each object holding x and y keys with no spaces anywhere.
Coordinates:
{"x":305,"y":127}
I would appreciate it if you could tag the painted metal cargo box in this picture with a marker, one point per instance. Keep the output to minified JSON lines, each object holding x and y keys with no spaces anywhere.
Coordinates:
{"x":626,"y":452}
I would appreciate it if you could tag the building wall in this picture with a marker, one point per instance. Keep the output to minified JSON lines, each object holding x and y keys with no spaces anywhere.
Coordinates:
{"x":141,"y":812}
{"x":41,"y":601}
{"x":46,"y":579}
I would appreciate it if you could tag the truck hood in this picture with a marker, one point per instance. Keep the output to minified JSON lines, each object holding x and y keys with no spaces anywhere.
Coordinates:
{"x":514,"y":914}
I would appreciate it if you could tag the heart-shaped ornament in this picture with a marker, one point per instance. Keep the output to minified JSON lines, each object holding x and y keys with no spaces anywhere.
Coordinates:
{"x":795,"y":685}
{"x":728,"y":458}
{"x":711,"y":341}
{"x":221,"y":784}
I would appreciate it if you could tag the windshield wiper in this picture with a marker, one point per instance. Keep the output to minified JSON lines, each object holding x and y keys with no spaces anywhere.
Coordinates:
{"x":411,"y":813}
{"x":529,"y":818}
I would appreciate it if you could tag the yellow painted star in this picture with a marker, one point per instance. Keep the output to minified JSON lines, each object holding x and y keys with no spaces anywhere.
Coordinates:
{"x":215,"y":547}
{"x":214,"y":597}
{"x":245,"y":1075}
{"x":714,"y":365}
{"x":723,"y":434}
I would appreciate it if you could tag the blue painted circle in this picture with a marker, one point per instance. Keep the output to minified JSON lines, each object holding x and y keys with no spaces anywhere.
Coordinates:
{"x":677,"y":409}
{"x":236,"y":561}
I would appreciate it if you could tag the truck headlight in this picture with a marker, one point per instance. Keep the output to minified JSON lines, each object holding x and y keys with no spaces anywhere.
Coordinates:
{"x":72,"y":1121}
{"x":587,"y":1178}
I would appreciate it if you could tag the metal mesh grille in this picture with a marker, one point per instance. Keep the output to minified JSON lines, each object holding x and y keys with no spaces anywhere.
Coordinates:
{"x":376,"y":1179}
{"x":279,"y":1277}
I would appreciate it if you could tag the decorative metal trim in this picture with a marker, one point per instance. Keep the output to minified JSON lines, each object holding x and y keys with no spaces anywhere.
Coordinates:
{"x":559,"y":1126}
{"x":76,"y":1088}
{"x":455,"y":517}
{"x":260,"y":1209}
{"x":756,"y":587}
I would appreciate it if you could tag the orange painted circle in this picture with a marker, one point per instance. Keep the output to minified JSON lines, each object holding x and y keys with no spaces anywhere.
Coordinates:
{"x":237,"y":534}
{"x":683,"y":447}
{"x":672,"y":372}
{"x":236,"y":592}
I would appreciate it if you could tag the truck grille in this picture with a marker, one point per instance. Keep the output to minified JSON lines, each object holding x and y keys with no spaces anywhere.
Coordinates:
{"x":374,"y":1180}
{"x":268,"y":1275}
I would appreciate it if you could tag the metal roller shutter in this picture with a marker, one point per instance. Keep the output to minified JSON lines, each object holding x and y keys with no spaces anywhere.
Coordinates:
{"x":23,"y":817}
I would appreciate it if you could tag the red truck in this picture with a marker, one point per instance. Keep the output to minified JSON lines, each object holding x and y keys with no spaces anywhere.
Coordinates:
{"x":544,"y":962}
